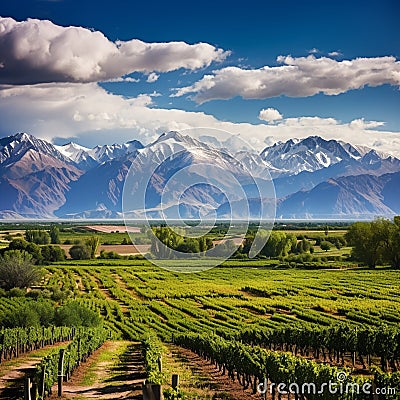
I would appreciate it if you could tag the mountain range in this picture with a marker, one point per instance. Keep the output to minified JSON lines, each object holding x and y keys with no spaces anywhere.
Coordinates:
{"x":313,"y":178}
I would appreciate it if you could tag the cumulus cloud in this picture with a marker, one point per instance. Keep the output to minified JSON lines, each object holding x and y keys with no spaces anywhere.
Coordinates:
{"x":297,"y":77}
{"x":152,"y":77}
{"x":270,"y":115}
{"x":334,"y":54}
{"x":360,"y":123}
{"x":90,"y":114}
{"x":38,"y":51}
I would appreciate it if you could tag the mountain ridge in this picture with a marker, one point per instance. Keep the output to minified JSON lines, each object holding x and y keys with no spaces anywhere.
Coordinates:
{"x":42,"y":180}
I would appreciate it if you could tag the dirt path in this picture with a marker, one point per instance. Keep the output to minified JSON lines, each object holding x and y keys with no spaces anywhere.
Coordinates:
{"x":115,"y":371}
{"x":12,"y":372}
{"x":209,"y":379}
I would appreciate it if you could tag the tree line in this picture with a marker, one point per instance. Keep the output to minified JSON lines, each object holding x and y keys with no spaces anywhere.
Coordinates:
{"x":376,"y":242}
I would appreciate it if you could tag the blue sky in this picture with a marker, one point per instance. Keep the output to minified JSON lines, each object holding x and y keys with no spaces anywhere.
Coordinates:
{"x":251,"y":35}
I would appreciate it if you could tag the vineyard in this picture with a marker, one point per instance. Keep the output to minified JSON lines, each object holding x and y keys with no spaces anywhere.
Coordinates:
{"x":252,"y":323}
{"x":335,"y":318}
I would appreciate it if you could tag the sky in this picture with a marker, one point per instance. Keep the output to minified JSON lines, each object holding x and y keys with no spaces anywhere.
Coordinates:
{"x":266,"y":71}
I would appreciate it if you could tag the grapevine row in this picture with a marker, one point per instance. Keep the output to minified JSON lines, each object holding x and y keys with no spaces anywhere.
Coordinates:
{"x":253,"y":366}
{"x":332,"y":343}
{"x":152,"y":353}
{"x":15,"y":341}
{"x":85,"y":342}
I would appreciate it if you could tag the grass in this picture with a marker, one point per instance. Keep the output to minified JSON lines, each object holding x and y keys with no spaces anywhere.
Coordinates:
{"x":191,"y":381}
{"x":14,"y":363}
{"x":107,"y":358}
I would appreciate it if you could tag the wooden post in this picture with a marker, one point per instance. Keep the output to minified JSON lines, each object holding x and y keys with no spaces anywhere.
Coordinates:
{"x":60,"y":372}
{"x":159,"y":361}
{"x":152,"y":392}
{"x":27,"y":388}
{"x":147,"y":392}
{"x":175,"y":381}
{"x":79,"y":351}
{"x":34,"y":391}
{"x":43,"y":382}
{"x":157,"y":391}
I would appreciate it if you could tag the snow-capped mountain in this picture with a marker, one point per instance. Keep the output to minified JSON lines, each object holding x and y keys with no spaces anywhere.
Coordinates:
{"x":312,"y":177}
{"x":34,"y":176}
{"x":312,"y":154}
{"x":87,"y":158}
{"x":154,"y":166}
{"x":16,"y":147}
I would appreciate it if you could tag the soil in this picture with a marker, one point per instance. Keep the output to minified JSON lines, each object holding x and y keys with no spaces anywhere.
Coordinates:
{"x":12,"y":372}
{"x":217,"y":382}
{"x":121,"y":380}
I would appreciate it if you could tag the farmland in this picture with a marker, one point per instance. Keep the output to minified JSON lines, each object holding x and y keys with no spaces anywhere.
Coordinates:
{"x":336,"y":315}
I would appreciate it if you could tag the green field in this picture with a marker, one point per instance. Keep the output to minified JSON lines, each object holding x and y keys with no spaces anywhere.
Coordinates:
{"x":136,"y":297}
{"x":319,"y":315}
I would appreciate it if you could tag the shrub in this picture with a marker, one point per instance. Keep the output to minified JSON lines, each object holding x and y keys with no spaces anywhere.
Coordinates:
{"x":79,"y":252}
{"x":53,"y":253}
{"x":325,"y":245}
{"x":75,"y":314}
{"x":17,"y":270}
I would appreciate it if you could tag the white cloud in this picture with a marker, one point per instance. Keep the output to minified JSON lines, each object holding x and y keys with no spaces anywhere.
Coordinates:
{"x":360,"y":123}
{"x":298,"y":77}
{"x":152,"y":77}
{"x":91,"y":114}
{"x":334,"y":54}
{"x":314,"y":50}
{"x":38,"y":51}
{"x":270,"y":115}
{"x":122,"y":79}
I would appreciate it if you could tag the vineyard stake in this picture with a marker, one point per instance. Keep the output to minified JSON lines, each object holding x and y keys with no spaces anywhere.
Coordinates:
{"x":175,"y":381}
{"x":27,"y":388}
{"x":60,"y":372}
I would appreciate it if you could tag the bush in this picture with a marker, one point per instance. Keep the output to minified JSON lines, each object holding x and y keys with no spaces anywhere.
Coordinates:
{"x":17,"y":270}
{"x":112,"y":255}
{"x":16,"y":292}
{"x":38,"y":313}
{"x":53,"y":253}
{"x":79,"y":252}
{"x":74,"y":314}
{"x":325,"y":245}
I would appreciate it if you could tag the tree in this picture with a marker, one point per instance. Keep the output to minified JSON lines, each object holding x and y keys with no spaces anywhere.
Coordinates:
{"x":18,"y":244}
{"x":38,"y":236}
{"x":277,"y":245}
{"x":53,"y":253}
{"x":92,"y":244}
{"x":325,"y":245}
{"x":79,"y":252}
{"x":373,"y":242}
{"x":17,"y":270}
{"x":54,"y":235}
{"x":391,"y":253}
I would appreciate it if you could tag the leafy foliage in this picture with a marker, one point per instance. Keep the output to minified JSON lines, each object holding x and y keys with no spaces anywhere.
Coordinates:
{"x":152,"y":353}
{"x":17,"y":270}
{"x":80,"y":252}
{"x":75,"y":314}
{"x":376,"y":242}
{"x":37,"y":236}
{"x":54,"y":234}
